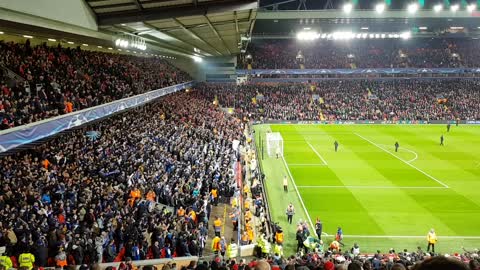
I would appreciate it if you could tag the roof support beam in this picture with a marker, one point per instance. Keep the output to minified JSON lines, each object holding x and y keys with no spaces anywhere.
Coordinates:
{"x":195,"y":35}
{"x":217,"y":34}
{"x":236,"y":21}
{"x":150,"y":14}
{"x":170,"y":35}
{"x":138,"y":4}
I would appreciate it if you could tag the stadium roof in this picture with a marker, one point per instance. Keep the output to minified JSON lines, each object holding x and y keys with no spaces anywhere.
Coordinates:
{"x":203,"y":27}
{"x":424,"y":23}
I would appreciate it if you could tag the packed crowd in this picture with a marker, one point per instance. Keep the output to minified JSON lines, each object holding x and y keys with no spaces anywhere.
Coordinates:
{"x":141,"y":188}
{"x":353,"y":100}
{"x":416,"y":260}
{"x":61,"y":80}
{"x":383,"y":53}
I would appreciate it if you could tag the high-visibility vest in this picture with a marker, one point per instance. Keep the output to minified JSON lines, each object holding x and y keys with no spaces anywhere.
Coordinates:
{"x":6,"y":262}
{"x":180,"y":212}
{"x":217,"y":224}
{"x":279,"y":237}
{"x":432,"y":238}
{"x":26,"y":260}
{"x":216,"y":244}
{"x":214,"y":193}
{"x":232,"y":250}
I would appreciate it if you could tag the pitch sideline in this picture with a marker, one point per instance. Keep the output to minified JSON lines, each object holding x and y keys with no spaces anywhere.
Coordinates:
{"x":298,"y":193}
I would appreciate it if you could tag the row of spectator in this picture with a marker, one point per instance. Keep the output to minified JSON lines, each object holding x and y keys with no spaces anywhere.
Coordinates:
{"x":352,"y":100}
{"x":377,"y":53}
{"x":61,"y":80}
{"x":140,"y":189}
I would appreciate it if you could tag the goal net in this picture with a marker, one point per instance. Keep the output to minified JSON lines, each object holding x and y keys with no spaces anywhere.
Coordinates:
{"x":274,"y":144}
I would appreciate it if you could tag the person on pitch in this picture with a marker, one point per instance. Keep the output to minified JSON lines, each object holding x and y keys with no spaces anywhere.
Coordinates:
{"x":441,"y":140}
{"x":396,"y":146}
{"x":336,"y":145}
{"x":290,"y":212}
{"x":448,"y":127}
{"x":432,"y":240}
{"x":285,"y":183}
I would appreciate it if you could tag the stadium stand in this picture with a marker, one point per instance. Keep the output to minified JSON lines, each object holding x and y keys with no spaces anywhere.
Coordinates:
{"x":97,"y":199}
{"x":62,"y":80}
{"x":352,"y":100}
{"x":323,"y":54}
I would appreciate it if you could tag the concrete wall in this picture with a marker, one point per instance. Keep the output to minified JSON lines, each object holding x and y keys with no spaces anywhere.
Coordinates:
{"x":220,"y":69}
{"x":75,"y":12}
{"x":188,"y":65}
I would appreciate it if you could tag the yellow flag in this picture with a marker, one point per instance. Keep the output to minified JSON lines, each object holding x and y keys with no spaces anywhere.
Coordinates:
{"x":254,"y":101}
{"x":321,"y":101}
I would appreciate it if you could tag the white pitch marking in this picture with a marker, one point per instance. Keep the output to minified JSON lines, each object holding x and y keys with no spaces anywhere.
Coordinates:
{"x":298,"y":193}
{"x":426,"y":174}
{"x":324,"y":161}
{"x":295,"y":164}
{"x":408,"y":150}
{"x":411,"y":236}
{"x":372,"y":187}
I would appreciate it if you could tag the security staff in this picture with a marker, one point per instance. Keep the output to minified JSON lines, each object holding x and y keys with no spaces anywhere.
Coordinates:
{"x":217,"y":226}
{"x":279,"y":237}
{"x":232,"y":249}
{"x":441,"y":140}
{"x":26,"y":260}
{"x":336,"y":145}
{"x":6,"y":262}
{"x":432,"y":240}
{"x":396,"y":146}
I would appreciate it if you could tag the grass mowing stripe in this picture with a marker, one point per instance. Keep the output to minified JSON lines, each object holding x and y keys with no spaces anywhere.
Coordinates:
{"x":426,"y":174}
{"x":323,"y":160}
{"x":298,"y":193}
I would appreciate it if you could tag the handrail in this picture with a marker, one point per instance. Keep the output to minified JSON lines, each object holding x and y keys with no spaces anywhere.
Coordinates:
{"x":262,"y":180}
{"x":25,"y":134}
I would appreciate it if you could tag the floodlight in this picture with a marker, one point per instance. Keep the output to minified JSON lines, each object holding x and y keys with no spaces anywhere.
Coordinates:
{"x":359,"y":35}
{"x":471,"y":7}
{"x":347,"y":8}
{"x":364,"y":35}
{"x":454,"y":8}
{"x":438,"y":8}
{"x":405,"y":35}
{"x":371,"y":35}
{"x":197,"y":59}
{"x":383,"y":35}
{"x":380,"y":8}
{"x":412,"y":8}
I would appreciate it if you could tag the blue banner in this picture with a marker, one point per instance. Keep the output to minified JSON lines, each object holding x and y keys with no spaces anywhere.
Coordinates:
{"x":14,"y":137}
{"x":357,"y":71}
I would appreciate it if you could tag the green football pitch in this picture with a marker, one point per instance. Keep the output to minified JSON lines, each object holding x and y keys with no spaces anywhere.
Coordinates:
{"x":382,"y":199}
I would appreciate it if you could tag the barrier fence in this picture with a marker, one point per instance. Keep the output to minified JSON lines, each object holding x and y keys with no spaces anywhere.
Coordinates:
{"x":26,"y":134}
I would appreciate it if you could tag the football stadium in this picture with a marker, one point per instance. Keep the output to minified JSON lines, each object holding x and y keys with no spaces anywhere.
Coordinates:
{"x":239,"y":134}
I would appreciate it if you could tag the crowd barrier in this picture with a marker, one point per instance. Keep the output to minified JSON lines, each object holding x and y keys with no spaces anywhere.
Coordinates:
{"x":18,"y":136}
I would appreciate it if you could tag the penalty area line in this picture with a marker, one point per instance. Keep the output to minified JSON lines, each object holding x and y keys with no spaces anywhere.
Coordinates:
{"x":320,"y":156}
{"x":426,"y":174}
{"x":406,"y":149}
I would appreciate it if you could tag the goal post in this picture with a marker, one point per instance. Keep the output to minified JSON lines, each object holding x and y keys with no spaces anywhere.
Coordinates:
{"x":274,"y":144}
